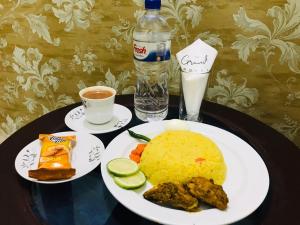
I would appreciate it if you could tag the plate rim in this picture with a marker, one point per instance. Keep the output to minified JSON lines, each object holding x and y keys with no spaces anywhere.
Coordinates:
{"x":259,"y":200}
{"x":66,"y":121}
{"x":62,"y":133}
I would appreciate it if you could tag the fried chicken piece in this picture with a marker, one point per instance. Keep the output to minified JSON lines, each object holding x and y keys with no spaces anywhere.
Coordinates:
{"x":172,"y":195}
{"x":205,"y":190}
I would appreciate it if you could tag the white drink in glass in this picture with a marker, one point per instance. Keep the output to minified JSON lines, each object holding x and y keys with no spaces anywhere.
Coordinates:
{"x":193,"y":89}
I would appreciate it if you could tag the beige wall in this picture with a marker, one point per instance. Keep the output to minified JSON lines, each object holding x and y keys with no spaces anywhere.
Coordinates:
{"x":51,"y":49}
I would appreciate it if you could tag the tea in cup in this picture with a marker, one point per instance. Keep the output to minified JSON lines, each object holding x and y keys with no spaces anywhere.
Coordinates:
{"x":98,"y":103}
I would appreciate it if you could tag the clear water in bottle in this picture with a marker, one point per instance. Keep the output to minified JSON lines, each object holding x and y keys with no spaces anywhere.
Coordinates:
{"x":151,"y":46}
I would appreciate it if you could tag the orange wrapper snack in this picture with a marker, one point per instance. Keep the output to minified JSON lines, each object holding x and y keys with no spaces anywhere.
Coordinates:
{"x":55,"y":158}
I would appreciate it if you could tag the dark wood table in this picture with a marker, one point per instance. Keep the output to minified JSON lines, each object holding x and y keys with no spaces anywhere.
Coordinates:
{"x":87,"y":201}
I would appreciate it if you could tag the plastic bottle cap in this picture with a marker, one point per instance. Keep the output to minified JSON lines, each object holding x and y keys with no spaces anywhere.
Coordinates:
{"x":152,"y":4}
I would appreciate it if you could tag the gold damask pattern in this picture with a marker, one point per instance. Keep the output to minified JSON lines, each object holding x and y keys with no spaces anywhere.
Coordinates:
{"x":50,"y":49}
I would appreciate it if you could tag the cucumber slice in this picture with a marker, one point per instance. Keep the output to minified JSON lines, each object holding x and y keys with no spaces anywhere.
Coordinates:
{"x":130,"y":182}
{"x":122,"y":167}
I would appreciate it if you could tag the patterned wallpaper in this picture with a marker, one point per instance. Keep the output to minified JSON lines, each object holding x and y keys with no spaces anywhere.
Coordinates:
{"x":50,"y":49}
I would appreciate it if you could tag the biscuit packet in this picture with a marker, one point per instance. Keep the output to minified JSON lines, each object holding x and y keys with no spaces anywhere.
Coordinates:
{"x":55,"y":158}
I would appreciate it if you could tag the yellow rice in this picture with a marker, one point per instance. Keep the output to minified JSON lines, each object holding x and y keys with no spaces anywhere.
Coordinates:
{"x":177,"y":156}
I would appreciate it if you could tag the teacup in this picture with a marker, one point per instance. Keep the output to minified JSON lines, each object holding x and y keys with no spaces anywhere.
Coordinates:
{"x":98,"y":103}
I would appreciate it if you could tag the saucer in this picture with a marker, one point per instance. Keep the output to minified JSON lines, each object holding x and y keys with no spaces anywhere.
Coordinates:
{"x":86,"y":156}
{"x":76,"y":121}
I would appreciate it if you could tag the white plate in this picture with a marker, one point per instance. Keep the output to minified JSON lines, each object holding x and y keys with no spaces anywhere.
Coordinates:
{"x":75,"y":120}
{"x":86,"y":156}
{"x":246,"y":184}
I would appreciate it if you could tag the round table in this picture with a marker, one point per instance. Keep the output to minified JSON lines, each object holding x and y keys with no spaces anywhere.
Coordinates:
{"x":86,"y":201}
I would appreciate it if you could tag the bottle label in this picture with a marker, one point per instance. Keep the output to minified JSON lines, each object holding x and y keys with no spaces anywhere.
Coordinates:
{"x":151,"y":52}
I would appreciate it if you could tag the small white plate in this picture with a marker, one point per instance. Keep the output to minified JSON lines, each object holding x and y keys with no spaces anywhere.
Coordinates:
{"x":75,"y":120}
{"x":86,"y":156}
{"x":246,"y":184}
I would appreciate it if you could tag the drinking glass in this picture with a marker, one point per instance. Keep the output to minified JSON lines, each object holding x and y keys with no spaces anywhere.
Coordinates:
{"x":192,"y":90}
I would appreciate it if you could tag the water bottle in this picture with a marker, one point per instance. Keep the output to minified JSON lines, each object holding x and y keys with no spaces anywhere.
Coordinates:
{"x":151,"y":47}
